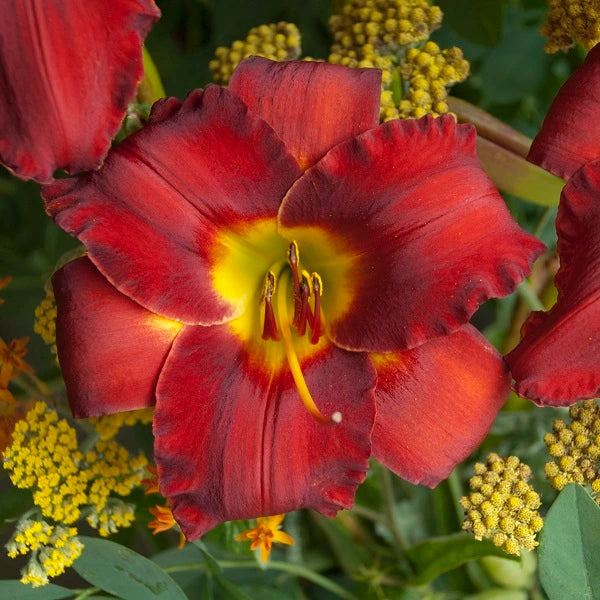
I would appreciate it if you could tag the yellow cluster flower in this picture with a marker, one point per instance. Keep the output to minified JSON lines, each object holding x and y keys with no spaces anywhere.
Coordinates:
{"x":383,"y":24}
{"x":44,"y":457}
{"x":52,"y":548}
{"x":110,"y":469}
{"x":572,"y":21}
{"x":575,"y":448}
{"x":45,"y":320}
{"x":108,"y":426}
{"x":114,"y":515}
{"x":502,"y":505}
{"x":428,"y":73}
{"x":277,"y":41}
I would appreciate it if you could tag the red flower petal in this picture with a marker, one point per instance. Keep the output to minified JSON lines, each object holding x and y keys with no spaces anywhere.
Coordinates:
{"x":436,"y":403}
{"x":151,"y":216}
{"x":430,"y":235}
{"x":68,"y":69}
{"x":570,"y":134}
{"x":312,"y":106}
{"x":234,"y":441}
{"x":557,"y":361}
{"x":111,"y":350}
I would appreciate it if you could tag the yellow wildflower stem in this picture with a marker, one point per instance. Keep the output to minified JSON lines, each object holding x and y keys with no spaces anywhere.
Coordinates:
{"x":290,"y":351}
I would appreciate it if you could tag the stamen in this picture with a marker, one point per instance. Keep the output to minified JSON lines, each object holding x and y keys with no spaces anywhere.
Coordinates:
{"x":270,"y":326}
{"x":305,"y":307}
{"x":317,"y":286}
{"x":293,"y":259}
{"x":292,"y":357}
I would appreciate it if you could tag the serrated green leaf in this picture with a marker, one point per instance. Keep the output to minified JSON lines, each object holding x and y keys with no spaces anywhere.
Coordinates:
{"x":13,"y":589}
{"x":570,"y":546}
{"x":479,"y":21}
{"x":440,"y":555}
{"x":123,"y":572}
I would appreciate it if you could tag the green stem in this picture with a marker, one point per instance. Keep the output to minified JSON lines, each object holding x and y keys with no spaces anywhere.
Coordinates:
{"x":367,"y":513}
{"x":526,"y":292}
{"x":291,"y":568}
{"x":85,"y":593}
{"x":547,"y":215}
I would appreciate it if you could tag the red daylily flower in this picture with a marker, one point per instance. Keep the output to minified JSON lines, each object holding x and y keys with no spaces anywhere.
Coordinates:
{"x":290,"y":283}
{"x":556,"y":362}
{"x":68,"y":69}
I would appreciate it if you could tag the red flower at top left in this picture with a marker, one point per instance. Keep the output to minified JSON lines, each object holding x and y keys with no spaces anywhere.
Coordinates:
{"x":68,"y":69}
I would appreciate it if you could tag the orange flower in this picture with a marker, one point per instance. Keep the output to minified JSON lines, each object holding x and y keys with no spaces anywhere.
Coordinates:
{"x":4,"y":281}
{"x":164,"y":521}
{"x":11,"y":360}
{"x":151,"y":483}
{"x":266,"y":532}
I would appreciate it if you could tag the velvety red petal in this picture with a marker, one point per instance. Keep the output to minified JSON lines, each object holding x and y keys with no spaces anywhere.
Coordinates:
{"x":312,"y":106}
{"x":68,"y":69}
{"x":151,"y":216}
{"x":557,"y":361}
{"x":570,"y":134}
{"x":430,"y":235}
{"x":111,"y":350}
{"x":234,"y":441}
{"x":436,"y":403}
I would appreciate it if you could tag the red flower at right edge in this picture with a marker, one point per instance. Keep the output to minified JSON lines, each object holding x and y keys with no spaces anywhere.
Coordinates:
{"x":557,"y":361}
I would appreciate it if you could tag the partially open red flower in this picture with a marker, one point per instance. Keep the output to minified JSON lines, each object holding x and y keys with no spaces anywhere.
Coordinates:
{"x":556,"y":362}
{"x":294,"y":282}
{"x":68,"y":69}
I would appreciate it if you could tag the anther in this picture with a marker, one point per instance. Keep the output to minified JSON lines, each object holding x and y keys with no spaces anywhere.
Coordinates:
{"x":270,"y":326}
{"x":317,"y":286}
{"x":305,"y":312}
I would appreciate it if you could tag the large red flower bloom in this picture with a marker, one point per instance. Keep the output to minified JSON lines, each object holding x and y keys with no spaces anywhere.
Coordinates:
{"x":290,"y":284}
{"x":556,"y":362}
{"x":68,"y":69}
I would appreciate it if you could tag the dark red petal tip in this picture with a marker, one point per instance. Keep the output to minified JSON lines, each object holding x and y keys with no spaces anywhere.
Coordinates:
{"x":436,"y":403}
{"x":311,"y":105}
{"x":68,"y":69}
{"x":570,"y":133}
{"x":430,"y":235}
{"x":234,"y":441}
{"x":152,"y":217}
{"x":556,"y":362}
{"x":111,"y":350}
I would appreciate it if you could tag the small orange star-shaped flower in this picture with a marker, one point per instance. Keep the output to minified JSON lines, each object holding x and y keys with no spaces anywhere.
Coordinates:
{"x":266,"y":532}
{"x":11,"y":360}
{"x":4,"y":281}
{"x":164,"y":521}
{"x":151,"y":483}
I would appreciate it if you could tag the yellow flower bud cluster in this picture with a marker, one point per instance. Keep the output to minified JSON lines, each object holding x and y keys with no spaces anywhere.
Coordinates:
{"x":428,"y":73}
{"x":110,"y":469}
{"x":502,"y":506}
{"x":575,"y":448}
{"x":108,"y":426}
{"x":44,"y":457}
{"x":52,"y":548}
{"x":385,"y":25}
{"x":278,"y":41}
{"x":114,"y":515}
{"x":571,"y":21}
{"x":45,"y":320}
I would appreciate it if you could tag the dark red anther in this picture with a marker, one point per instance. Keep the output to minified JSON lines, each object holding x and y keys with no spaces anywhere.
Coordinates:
{"x":316,"y":321}
{"x":270,"y":331}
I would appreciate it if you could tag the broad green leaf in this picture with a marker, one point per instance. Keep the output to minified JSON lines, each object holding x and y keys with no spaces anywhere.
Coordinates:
{"x":570,"y":546}
{"x":478,"y":21}
{"x":439,"y":555}
{"x":123,"y":572}
{"x":13,"y":589}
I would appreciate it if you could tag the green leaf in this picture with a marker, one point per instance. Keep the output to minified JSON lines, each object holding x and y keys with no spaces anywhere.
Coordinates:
{"x":13,"y":589}
{"x":478,"y":21}
{"x":570,"y":546}
{"x":14,"y":503}
{"x":507,"y":77}
{"x":123,"y":572}
{"x":439,"y":555}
